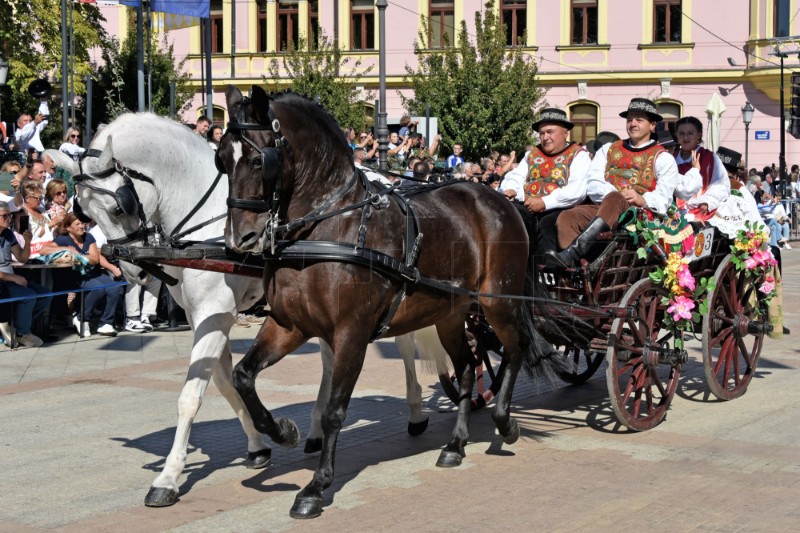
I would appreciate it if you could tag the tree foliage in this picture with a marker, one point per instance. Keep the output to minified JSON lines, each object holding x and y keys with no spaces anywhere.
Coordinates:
{"x":30,"y":40}
{"x":485,"y":94}
{"x":317,"y":74}
{"x":117,"y":85}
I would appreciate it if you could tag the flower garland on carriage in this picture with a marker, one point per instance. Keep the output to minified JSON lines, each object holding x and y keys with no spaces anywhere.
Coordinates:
{"x":675,"y":236}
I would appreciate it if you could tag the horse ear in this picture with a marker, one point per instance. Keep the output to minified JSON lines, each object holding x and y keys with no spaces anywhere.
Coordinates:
{"x":260,"y":105}
{"x":233,"y":96}
{"x":107,"y":156}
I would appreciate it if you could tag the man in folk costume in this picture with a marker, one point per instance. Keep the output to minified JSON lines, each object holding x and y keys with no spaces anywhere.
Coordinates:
{"x":550,"y":178}
{"x":633,"y":172}
{"x":696,"y":162}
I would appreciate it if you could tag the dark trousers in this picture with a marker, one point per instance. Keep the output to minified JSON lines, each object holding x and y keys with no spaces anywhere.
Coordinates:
{"x":541,"y":230}
{"x":93,"y":299}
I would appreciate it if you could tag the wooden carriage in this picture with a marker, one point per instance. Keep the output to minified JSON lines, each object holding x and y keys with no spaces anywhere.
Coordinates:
{"x":609,"y":309}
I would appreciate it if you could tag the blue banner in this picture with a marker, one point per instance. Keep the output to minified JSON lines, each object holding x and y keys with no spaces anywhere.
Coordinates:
{"x":132,"y":3}
{"x":188,"y":8}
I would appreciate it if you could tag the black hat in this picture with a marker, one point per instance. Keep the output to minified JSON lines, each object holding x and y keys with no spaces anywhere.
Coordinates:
{"x":40,"y":88}
{"x":730,"y":158}
{"x":553,"y":114}
{"x":603,"y":138}
{"x":665,"y":138}
{"x":645,"y":106}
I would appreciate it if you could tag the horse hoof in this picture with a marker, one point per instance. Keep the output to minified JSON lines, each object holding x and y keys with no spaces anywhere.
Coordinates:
{"x":290,"y":433}
{"x":415,"y":429}
{"x":313,"y":445}
{"x":306,"y":508}
{"x":513,"y":434}
{"x":258,"y":460}
{"x":161,"y":497}
{"x":448,"y":459}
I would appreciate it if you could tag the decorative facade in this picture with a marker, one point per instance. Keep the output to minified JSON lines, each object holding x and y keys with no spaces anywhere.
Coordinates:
{"x":593,"y":55}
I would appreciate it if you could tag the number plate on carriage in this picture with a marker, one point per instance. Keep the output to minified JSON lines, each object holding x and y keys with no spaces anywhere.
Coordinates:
{"x":702,"y":245}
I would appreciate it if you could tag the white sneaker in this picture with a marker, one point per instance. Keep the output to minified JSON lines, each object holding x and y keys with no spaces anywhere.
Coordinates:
{"x":134,"y":326}
{"x":29,"y":341}
{"x":787,"y":247}
{"x":107,"y":330}
{"x":145,"y":323}
{"x":81,"y":327}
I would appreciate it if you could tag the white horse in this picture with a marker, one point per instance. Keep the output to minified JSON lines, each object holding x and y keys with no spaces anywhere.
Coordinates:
{"x":171,"y":169}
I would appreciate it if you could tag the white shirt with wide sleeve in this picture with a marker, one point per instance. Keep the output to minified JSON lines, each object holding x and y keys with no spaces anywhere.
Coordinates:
{"x":659,"y":199}
{"x":716,"y":193}
{"x":28,"y":136}
{"x":571,"y":194}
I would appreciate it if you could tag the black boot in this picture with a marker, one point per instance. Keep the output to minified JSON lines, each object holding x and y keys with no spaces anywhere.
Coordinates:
{"x":571,"y":256}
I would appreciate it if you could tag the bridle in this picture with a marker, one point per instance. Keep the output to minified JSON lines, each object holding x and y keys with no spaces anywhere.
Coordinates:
{"x":126,"y":197}
{"x":129,"y":203}
{"x":271,"y":160}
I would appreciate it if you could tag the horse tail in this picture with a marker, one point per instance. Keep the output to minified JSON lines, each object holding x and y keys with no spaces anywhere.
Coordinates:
{"x":540,"y":359}
{"x":432,"y":354}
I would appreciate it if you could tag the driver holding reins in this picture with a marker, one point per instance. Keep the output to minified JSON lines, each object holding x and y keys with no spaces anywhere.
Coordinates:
{"x":549,"y":179}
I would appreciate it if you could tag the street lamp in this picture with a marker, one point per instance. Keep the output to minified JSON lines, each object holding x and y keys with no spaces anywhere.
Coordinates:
{"x":383,"y":128}
{"x":747,"y":118}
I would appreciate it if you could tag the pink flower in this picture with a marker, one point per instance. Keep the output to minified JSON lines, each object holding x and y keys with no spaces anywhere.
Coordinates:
{"x":685,"y":278}
{"x":762,"y":257}
{"x":750,"y":263}
{"x":768,"y":285}
{"x":681,"y":308}
{"x":688,"y":244}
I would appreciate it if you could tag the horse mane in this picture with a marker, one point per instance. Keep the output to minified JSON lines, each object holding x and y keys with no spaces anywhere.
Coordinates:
{"x":152,"y":146}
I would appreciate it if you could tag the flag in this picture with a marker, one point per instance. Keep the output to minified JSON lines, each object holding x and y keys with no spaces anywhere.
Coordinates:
{"x":168,"y":21}
{"x":188,"y":8}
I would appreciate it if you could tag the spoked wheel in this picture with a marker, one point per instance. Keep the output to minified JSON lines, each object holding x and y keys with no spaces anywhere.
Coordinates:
{"x":643,"y":369}
{"x":733,"y":332}
{"x":482,"y":340}
{"x":580,"y":364}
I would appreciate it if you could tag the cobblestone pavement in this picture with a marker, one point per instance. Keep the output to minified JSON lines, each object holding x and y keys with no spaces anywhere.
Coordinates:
{"x":86,"y":424}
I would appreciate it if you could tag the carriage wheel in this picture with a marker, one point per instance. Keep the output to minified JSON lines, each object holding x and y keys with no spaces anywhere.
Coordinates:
{"x":639,"y":386}
{"x":580,"y":365}
{"x":486,"y":389}
{"x":733,"y":332}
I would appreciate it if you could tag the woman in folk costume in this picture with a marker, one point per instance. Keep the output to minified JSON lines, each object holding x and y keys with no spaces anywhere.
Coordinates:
{"x":695,"y":161}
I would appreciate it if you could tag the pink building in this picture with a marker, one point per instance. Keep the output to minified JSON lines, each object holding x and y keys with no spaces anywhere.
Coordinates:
{"x":593,"y":55}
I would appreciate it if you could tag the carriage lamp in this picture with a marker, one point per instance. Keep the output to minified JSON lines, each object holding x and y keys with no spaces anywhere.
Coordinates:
{"x":747,"y":118}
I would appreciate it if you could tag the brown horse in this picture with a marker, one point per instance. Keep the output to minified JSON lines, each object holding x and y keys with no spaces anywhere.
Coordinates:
{"x":287,"y":160}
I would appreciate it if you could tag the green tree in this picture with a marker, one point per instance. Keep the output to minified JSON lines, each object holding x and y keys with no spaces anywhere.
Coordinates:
{"x":484,"y":93}
{"x":317,"y":73}
{"x":117,"y":89}
{"x":30,"y":40}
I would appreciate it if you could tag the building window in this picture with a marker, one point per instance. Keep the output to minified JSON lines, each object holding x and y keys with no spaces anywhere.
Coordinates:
{"x":783,"y":18}
{"x":362,"y":25}
{"x":313,"y":24}
{"x":441,"y":22}
{"x":514,"y":18}
{"x":667,"y":21}
{"x":584,"y":21}
{"x":261,"y":43}
{"x":288,"y":23}
{"x":584,"y":116}
{"x":670,"y":112}
{"x":216,"y":26}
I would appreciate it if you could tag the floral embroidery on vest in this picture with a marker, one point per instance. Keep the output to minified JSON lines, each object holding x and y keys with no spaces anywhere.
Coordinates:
{"x":627,"y":169}
{"x":548,"y":173}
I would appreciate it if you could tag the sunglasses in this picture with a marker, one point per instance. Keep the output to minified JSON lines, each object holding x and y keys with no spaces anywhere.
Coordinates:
{"x":74,"y":136}
{"x":5,"y":217}
{"x":37,"y":198}
{"x":60,"y":193}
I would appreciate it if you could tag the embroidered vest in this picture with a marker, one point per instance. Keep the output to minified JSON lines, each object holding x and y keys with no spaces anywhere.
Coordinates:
{"x":628,"y":168}
{"x":547,"y":173}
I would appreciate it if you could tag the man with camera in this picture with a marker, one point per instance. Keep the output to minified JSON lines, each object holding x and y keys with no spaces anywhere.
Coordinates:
{"x":549,"y":179}
{"x":28,"y":129}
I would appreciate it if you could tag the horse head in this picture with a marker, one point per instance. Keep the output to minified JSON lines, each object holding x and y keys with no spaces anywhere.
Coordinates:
{"x":276,"y":146}
{"x":104,"y":194}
